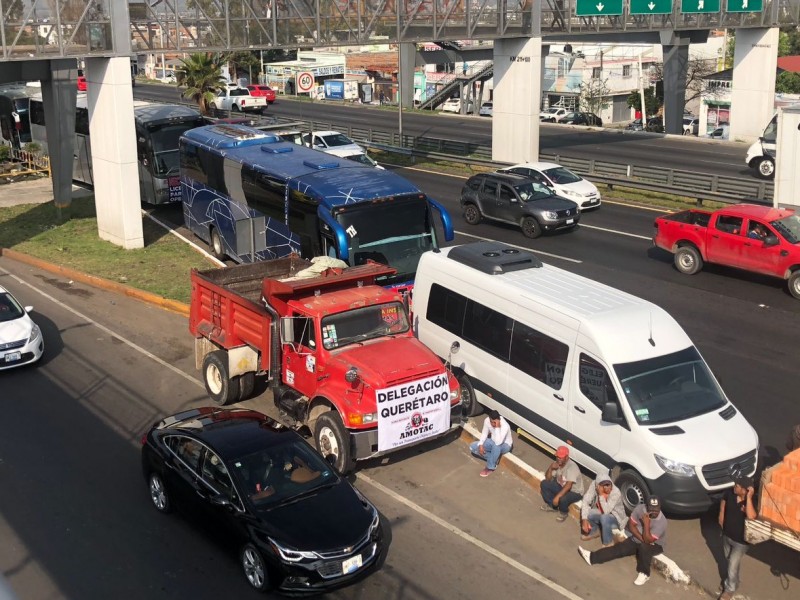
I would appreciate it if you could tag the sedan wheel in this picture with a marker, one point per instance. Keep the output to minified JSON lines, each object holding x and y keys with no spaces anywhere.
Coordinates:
{"x":158,"y":493}
{"x":255,"y":570}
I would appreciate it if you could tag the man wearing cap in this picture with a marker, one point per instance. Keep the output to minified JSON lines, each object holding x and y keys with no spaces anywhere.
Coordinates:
{"x":736,"y":506}
{"x":562,"y":485}
{"x":647,"y":529}
{"x":602,"y":510}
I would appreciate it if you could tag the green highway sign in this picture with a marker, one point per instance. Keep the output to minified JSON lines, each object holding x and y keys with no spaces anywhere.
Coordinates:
{"x":653,"y":7}
{"x":745,"y":5}
{"x":598,"y":8}
{"x":701,"y":6}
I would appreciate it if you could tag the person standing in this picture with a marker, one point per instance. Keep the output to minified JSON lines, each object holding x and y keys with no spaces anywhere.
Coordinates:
{"x":602,"y":511}
{"x":495,"y":441}
{"x":562,"y":485}
{"x":736,"y":506}
{"x":382,"y":97}
{"x":647,"y":529}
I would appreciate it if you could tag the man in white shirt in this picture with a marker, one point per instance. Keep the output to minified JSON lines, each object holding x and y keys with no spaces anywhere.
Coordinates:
{"x":495,"y":441}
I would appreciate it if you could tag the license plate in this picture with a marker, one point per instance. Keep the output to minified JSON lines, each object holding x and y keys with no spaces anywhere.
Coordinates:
{"x":351,"y":565}
{"x":12,"y":356}
{"x":570,"y":221}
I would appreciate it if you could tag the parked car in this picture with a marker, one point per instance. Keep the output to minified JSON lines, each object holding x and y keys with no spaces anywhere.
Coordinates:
{"x":21,"y":340}
{"x":654,"y":125}
{"x":453,"y":105}
{"x":81,"y":83}
{"x":331,"y":140}
{"x":593,"y":120}
{"x":486,"y":109}
{"x":561,"y":180}
{"x":582,"y":118}
{"x":691,"y":125}
{"x":720,"y":133}
{"x":553,"y":114}
{"x":260,"y":487}
{"x":519,"y":200}
{"x":263,"y":91}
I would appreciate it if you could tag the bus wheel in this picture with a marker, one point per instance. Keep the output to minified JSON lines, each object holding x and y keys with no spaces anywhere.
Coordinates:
{"x":220,"y":387}
{"x":216,"y":245}
{"x":332,"y":438}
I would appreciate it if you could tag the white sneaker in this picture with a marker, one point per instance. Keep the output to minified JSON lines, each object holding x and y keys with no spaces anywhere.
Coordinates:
{"x":587,"y":556}
{"x":641,"y":579}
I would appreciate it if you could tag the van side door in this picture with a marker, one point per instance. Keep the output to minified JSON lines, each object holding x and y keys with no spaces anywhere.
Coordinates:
{"x":593,"y":387}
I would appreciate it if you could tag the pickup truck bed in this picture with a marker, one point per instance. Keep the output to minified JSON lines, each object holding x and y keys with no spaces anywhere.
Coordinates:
{"x":690,"y":217}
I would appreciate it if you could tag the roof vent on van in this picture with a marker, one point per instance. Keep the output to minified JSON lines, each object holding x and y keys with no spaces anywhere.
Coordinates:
{"x":494,"y":258}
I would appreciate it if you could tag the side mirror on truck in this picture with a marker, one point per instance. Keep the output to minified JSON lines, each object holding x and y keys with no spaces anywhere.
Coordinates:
{"x":287,"y":330}
{"x":771,"y":240}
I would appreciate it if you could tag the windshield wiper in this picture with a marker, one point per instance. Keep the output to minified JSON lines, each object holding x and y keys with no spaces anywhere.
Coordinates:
{"x":312,"y":492}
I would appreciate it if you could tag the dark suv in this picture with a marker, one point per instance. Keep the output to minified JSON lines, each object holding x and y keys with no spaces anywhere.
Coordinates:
{"x":519,"y":200}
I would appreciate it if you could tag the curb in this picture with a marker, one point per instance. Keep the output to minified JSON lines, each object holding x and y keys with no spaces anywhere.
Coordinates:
{"x":99,"y":282}
{"x":533,"y":477}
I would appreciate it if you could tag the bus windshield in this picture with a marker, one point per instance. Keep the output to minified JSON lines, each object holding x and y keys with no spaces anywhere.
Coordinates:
{"x":393,"y":233}
{"x":164,"y":141}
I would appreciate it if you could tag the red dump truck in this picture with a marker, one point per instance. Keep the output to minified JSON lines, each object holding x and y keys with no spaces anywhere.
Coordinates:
{"x":337,"y":350}
{"x":778,"y":505}
{"x":755,"y":238}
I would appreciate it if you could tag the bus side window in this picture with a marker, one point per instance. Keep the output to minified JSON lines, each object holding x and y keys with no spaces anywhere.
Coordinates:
{"x":212,"y":167}
{"x":190,"y":163}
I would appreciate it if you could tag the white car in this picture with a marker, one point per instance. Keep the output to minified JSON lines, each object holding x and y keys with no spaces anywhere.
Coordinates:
{"x":720,"y":133}
{"x":331,"y":140}
{"x":20,"y":338}
{"x":486,"y":109}
{"x":561,"y":180}
{"x":359,"y":157}
{"x":453,"y":105}
{"x":553,"y":114}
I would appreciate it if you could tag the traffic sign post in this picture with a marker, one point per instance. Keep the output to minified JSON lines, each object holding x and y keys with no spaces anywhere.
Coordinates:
{"x":598,"y":8}
{"x":651,"y":7}
{"x":700,"y":6}
{"x":745,"y":5}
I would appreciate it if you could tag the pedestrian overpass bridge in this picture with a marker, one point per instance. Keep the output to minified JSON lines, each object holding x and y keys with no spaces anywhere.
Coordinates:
{"x":41,"y":39}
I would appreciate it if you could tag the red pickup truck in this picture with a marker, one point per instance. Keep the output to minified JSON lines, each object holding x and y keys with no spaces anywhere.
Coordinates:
{"x":755,"y":238}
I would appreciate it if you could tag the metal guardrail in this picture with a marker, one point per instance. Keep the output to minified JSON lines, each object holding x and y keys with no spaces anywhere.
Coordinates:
{"x":689,"y":184}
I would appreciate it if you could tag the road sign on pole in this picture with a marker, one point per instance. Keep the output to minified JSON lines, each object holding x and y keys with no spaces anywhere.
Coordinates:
{"x":598,"y":8}
{"x":745,"y":5}
{"x":651,"y":7}
{"x":700,"y":6}
{"x":305,"y":82}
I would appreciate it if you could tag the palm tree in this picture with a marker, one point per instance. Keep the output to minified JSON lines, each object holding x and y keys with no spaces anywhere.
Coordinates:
{"x":201,"y":75}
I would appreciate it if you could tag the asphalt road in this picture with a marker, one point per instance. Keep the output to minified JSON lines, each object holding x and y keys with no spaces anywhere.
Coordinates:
{"x":612,"y":145}
{"x":76,"y":520}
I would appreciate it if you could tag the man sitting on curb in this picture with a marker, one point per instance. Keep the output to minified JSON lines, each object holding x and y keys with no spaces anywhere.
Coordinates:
{"x":647,"y":528}
{"x":492,"y":448}
{"x":602,"y":510}
{"x":562,"y":485}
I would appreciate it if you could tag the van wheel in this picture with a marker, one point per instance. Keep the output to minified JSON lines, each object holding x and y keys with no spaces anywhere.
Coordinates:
{"x":688,"y":260}
{"x":331,"y":437}
{"x":469,"y":403}
{"x":531,"y":228}
{"x":219,"y":385}
{"x":472,"y":214}
{"x":794,"y":284}
{"x":217,"y":249}
{"x":765,"y":168}
{"x":633,"y":488}
{"x":247,"y":383}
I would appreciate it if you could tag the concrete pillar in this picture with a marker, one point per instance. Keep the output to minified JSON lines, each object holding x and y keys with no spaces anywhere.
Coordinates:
{"x":676,"y":61}
{"x":787,"y":157}
{"x":59,"y":92}
{"x":114,"y":166}
{"x":755,"y":62}
{"x":407,"y":58}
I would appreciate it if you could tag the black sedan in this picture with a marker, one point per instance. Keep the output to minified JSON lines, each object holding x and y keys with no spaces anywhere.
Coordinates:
{"x":582,"y":118}
{"x":296,"y":524}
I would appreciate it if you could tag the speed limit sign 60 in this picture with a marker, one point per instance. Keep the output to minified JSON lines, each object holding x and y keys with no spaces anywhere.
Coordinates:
{"x":305,"y":82}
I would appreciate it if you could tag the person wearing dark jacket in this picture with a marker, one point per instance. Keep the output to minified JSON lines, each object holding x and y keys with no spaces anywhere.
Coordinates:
{"x":735,"y":508}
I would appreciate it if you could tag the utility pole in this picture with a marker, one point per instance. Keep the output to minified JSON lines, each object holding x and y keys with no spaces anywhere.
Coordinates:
{"x":641,"y":92}
{"x":399,"y":78}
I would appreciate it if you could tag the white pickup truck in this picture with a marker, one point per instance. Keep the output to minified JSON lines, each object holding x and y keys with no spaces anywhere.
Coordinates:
{"x":238,"y":99}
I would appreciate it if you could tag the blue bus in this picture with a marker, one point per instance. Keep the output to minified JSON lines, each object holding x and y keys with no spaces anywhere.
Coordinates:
{"x":253,"y":196}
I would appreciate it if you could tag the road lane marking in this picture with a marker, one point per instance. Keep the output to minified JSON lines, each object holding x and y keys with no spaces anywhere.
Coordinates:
{"x":105,"y":329}
{"x":469,"y":538}
{"x":625,"y":233}
{"x":485,"y":239}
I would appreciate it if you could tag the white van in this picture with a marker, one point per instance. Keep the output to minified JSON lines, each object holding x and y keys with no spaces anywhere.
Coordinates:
{"x":572,"y":361}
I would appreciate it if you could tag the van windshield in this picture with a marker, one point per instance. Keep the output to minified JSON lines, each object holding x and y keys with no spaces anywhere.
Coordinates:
{"x":670,"y":388}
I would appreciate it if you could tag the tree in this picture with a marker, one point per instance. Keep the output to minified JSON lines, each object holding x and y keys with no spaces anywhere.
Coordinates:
{"x":595,"y":95}
{"x":246,"y":61}
{"x":201,"y":75}
{"x":651,"y":102}
{"x":788,"y":83}
{"x":697,"y":75}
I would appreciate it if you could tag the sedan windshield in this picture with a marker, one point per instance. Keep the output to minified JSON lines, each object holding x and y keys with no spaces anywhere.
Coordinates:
{"x":363,"y":324}
{"x":9,"y":308}
{"x":282,"y":473}
{"x":670,"y":388}
{"x":533,"y":191}
{"x":561,"y":176}
{"x":789,"y":228}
